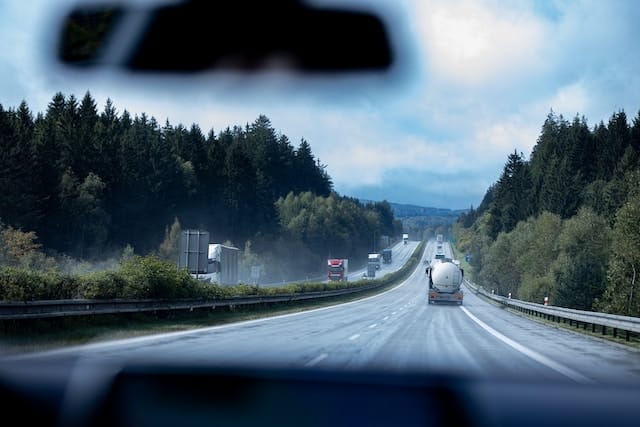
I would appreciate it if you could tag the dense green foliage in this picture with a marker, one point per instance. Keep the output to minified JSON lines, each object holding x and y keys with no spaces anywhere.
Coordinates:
{"x":564,"y":224}
{"x":335,"y":227}
{"x":86,"y":181}
{"x":76,"y":183}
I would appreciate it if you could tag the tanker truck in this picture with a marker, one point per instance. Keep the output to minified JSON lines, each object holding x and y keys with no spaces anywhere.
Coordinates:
{"x":445,"y":278}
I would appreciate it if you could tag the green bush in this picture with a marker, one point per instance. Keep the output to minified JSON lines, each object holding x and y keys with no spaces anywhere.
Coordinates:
{"x":102,"y":285}
{"x":18,"y":284}
{"x":55,"y":285}
{"x":150,"y":277}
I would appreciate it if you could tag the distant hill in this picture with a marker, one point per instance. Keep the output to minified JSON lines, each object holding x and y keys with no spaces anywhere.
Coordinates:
{"x":420,"y":217}
{"x":404,"y":211}
{"x":407,"y":211}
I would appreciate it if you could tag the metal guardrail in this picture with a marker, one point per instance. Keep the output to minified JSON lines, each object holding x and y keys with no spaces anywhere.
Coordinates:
{"x":596,"y":321}
{"x":60,"y":308}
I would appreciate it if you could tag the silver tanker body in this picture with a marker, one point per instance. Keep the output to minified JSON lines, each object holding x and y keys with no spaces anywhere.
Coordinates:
{"x":445,"y":279}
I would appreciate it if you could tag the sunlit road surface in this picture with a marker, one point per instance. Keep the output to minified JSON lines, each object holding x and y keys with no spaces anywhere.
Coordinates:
{"x":393,"y":331}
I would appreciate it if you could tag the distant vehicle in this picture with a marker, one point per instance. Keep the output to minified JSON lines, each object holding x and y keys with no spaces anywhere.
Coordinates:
{"x":194,"y":246}
{"x":386,"y":255}
{"x":445,"y":278}
{"x":375,"y":259}
{"x":439,"y":251}
{"x":371,"y":270}
{"x":222,"y":264}
{"x":405,"y":238}
{"x":337,"y":269}
{"x":209,"y":262}
{"x":439,"y":238}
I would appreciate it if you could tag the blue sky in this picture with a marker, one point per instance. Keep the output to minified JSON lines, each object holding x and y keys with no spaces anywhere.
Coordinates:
{"x":480,"y":77}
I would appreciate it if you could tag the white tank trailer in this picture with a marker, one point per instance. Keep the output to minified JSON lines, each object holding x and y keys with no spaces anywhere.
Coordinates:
{"x":445,"y":278}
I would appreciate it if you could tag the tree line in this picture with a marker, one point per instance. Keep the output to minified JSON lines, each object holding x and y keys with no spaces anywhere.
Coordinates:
{"x":564,"y":223}
{"x":88,"y":183}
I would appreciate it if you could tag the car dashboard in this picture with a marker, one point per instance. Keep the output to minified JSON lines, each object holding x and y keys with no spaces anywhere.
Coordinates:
{"x":95,"y":394}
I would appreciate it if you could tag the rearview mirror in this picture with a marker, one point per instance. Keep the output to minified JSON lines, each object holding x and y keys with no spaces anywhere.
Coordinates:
{"x":200,"y":35}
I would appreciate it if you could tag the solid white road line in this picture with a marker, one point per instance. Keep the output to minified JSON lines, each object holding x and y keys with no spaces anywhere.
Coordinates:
{"x":561,"y":369}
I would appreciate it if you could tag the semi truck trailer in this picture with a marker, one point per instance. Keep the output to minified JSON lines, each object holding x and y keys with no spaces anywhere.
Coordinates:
{"x":386,"y":256}
{"x":337,"y":269}
{"x":376,"y":260}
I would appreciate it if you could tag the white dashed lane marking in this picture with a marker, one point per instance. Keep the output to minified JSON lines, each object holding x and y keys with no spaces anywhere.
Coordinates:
{"x":316,"y":360}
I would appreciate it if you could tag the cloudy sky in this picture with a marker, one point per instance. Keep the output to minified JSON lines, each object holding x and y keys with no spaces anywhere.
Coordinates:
{"x":476,"y":81}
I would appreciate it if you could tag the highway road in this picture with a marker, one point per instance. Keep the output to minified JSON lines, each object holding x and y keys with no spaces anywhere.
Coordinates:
{"x":400,"y":255}
{"x":393,"y":331}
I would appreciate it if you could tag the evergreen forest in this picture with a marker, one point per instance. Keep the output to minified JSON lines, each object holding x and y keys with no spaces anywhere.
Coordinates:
{"x":77,"y":183}
{"x":565,"y":222}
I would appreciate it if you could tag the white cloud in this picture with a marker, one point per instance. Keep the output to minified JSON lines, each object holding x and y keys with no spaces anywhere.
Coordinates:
{"x":493,"y":142}
{"x":367,"y":162}
{"x":474,"y":42}
{"x":492,"y":73}
{"x":568,"y":100}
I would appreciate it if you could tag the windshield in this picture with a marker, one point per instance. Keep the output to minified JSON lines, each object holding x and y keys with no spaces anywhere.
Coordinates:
{"x":158,"y":216}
